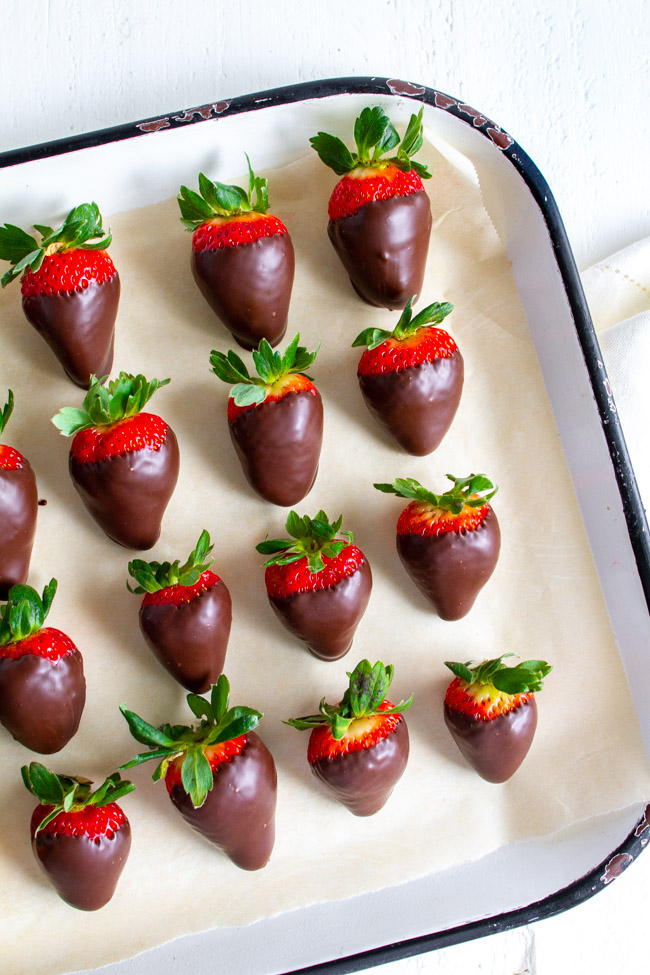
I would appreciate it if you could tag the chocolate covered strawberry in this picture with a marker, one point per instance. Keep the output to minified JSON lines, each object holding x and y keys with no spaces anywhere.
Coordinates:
{"x":359,"y":747}
{"x":379,"y":212}
{"x":42,"y":684}
{"x":242,"y":257}
{"x":412,"y":378}
{"x":275,"y":420}
{"x":219,"y":774}
{"x":448,"y":543}
{"x":18,"y":509}
{"x":185,"y":615}
{"x":491,"y":713}
{"x":123,"y":462}
{"x":80,"y":838}
{"x":318,"y":583}
{"x":70,"y":289}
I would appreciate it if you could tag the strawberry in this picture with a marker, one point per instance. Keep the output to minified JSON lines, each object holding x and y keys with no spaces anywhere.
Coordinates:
{"x":123,"y":463}
{"x":242,"y":257}
{"x":412,"y":378}
{"x":275,"y":420}
{"x":70,"y":289}
{"x":359,"y":747}
{"x":379,"y":213}
{"x":80,"y":838}
{"x":448,"y":543}
{"x":220,"y":775}
{"x":318,"y":583}
{"x":18,"y":509}
{"x":491,"y":713}
{"x":185,"y":615}
{"x":42,"y":684}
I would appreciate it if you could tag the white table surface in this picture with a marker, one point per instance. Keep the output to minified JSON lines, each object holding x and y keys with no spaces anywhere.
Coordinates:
{"x":568,"y":79}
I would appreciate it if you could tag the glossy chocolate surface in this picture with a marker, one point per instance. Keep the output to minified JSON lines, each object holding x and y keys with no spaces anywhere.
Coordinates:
{"x":79,"y":327}
{"x":238,"y":815}
{"x":127,"y":494}
{"x":249,"y":287}
{"x":452,"y":568}
{"x":41,"y":701}
{"x":384,"y":247}
{"x":416,"y":405}
{"x":84,"y":872}
{"x":278,"y":444}
{"x":326,"y":619}
{"x":18,"y":510}
{"x":190,"y":640}
{"x":494,"y":748}
{"x":364,"y":780}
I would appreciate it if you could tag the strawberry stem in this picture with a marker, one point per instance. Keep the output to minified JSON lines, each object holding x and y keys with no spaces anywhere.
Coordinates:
{"x":220,"y":200}
{"x":472,"y":491}
{"x":7,"y":411}
{"x":431,"y":315}
{"x":24,"y":612}
{"x":271,"y":367}
{"x":103,"y":406}
{"x":68,"y":793}
{"x":362,"y":698}
{"x":525,"y":678}
{"x":311,"y":538}
{"x":154,"y":576}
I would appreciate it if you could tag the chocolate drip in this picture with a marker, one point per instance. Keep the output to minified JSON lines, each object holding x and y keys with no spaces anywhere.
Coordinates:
{"x":249,"y":287}
{"x":238,"y":815}
{"x":41,"y":701}
{"x":416,"y":406}
{"x":494,"y":748}
{"x":364,"y":780}
{"x":18,"y":510}
{"x":326,"y":619}
{"x":278,"y":444}
{"x":190,"y":639}
{"x":79,"y":327}
{"x":84,"y":871}
{"x":127,"y":494}
{"x":384,"y":247}
{"x":451,"y":569}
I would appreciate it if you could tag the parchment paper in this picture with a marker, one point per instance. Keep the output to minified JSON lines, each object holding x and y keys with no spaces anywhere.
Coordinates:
{"x":543,"y":601}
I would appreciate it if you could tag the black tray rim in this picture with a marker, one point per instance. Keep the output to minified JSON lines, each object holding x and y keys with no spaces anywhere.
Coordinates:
{"x":613,"y":865}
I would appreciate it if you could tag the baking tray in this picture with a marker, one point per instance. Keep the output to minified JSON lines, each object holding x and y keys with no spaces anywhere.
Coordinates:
{"x":563,"y":869}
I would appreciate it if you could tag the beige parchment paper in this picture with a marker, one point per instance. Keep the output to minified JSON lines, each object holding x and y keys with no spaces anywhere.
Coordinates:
{"x":543,"y":601}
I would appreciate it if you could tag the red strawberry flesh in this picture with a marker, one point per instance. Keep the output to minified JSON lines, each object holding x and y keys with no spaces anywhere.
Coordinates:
{"x":362,"y":733}
{"x":66,"y":271}
{"x":216,"y":755}
{"x":365,"y":186}
{"x":232,"y":231}
{"x":422,"y":518}
{"x":295,"y":577}
{"x":140,"y":432}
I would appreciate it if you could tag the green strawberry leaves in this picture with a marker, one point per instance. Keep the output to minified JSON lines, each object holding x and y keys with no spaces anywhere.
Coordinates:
{"x":473,"y":491}
{"x":374,"y":135}
{"x":24,"y":612}
{"x":217,"y":723}
{"x":220,"y":200}
{"x":68,"y":793}
{"x":271,"y":367}
{"x":311,"y":538}
{"x":362,"y":698}
{"x":81,"y":228}
{"x":6,"y":411}
{"x":104,"y":405}
{"x":526,"y":677}
{"x":407,"y":325}
{"x":154,"y":576}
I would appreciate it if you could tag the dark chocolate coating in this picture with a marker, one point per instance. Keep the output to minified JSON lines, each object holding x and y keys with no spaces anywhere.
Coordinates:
{"x":41,"y":701}
{"x":494,"y":748}
{"x":18,"y":510}
{"x":364,"y":780}
{"x":416,"y":405}
{"x":384,"y":247}
{"x":84,"y":871}
{"x":190,"y":640}
{"x":238,"y":815}
{"x":249,"y":287}
{"x":452,"y":568}
{"x":278,"y":444}
{"x":326,"y":619}
{"x":127,"y":494}
{"x":79,"y":327}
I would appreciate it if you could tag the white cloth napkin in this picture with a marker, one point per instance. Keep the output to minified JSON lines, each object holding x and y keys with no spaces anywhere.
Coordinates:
{"x":618,"y":294}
